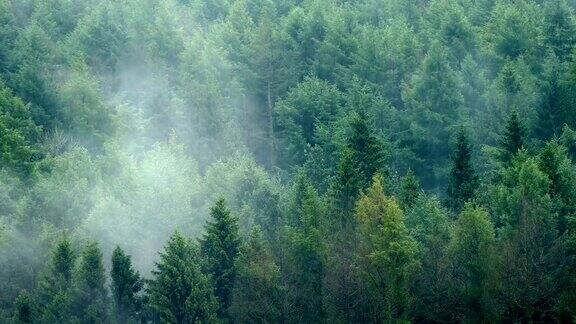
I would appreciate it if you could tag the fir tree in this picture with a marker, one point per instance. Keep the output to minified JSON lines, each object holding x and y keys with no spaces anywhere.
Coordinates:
{"x":513,"y":139}
{"x":24,"y":309}
{"x":91,"y":297}
{"x":470,"y":251}
{"x":257,"y":293}
{"x":179,"y":291}
{"x":410,"y":190}
{"x":55,"y":295}
{"x":550,"y":119}
{"x":220,"y":246}
{"x":366,"y":149}
{"x":463,"y":180}
{"x":346,"y":188}
{"x":126,"y":285}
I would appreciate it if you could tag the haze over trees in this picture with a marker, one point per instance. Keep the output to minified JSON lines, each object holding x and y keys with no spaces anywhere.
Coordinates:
{"x":294,"y":161}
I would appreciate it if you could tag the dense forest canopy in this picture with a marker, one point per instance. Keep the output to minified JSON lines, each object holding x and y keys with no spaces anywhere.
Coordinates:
{"x":287,"y":161}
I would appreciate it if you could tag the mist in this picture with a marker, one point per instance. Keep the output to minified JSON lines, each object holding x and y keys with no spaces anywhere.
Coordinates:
{"x":293,"y":161}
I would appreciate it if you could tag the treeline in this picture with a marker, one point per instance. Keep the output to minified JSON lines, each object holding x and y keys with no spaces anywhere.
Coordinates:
{"x":504,"y":251}
{"x":381,"y":160}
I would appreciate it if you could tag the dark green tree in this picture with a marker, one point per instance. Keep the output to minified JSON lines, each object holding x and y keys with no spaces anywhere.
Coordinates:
{"x":513,"y":139}
{"x":550,"y":116}
{"x":471,"y":251}
{"x":367,"y":151}
{"x":409,"y":190}
{"x":346,"y":188}
{"x":126,"y":287}
{"x":91,"y":297}
{"x":179,"y":291}
{"x":559,"y":27}
{"x":55,"y":291}
{"x":463,"y":180}
{"x":257,"y":294}
{"x":25,"y":312}
{"x":429,"y":224}
{"x":19,"y":135}
{"x":220,"y":247}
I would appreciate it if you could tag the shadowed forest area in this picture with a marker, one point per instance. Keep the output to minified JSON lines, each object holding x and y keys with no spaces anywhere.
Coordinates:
{"x":287,"y":161}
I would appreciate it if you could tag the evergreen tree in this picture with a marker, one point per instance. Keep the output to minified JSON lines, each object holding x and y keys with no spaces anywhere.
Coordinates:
{"x":220,"y":246}
{"x":410,"y":190}
{"x":429,"y":224}
{"x":388,"y":254}
{"x":24,"y":309}
{"x":304,"y":269}
{"x":126,"y":286}
{"x":568,"y":140}
{"x":55,"y":292}
{"x":559,"y":27}
{"x":305,"y":257}
{"x":257,"y":294}
{"x":554,"y":162}
{"x":527,"y":244}
{"x":366,"y":150}
{"x":91,"y":297}
{"x":463,"y":180}
{"x":434,"y":102}
{"x":550,"y":117}
{"x":179,"y":291}
{"x":345,"y":189}
{"x":513,"y":138}
{"x":471,"y":251}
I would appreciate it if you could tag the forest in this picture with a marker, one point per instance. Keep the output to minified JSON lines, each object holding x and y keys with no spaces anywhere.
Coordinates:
{"x":287,"y":161}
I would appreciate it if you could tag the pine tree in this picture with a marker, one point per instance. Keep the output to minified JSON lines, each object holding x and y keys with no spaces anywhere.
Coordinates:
{"x":345,"y":189}
{"x":55,"y":294}
{"x":179,"y":291}
{"x":24,"y":309}
{"x":91,"y":297}
{"x":257,"y":293}
{"x":513,"y":139}
{"x":463,"y":180}
{"x":559,"y":27}
{"x":220,"y":246}
{"x":527,"y":244}
{"x":126,"y":286}
{"x":388,"y":254}
{"x":429,"y":224}
{"x":550,"y":119}
{"x":304,"y":270}
{"x":366,"y":149}
{"x":434,"y":103}
{"x":471,"y":250}
{"x":410,"y":190}
{"x":305,"y":207}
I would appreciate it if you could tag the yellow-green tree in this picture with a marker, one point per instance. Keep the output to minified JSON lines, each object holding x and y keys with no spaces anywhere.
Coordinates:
{"x":387,"y":253}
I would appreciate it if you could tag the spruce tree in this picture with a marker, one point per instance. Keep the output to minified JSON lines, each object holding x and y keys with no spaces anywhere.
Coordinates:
{"x":179,"y":292}
{"x":126,"y":286}
{"x":471,"y":251}
{"x":463,"y":180}
{"x":346,"y":188}
{"x":91,"y":297}
{"x":55,"y":293}
{"x":220,"y":246}
{"x":410,"y":190}
{"x":257,"y":293}
{"x":24,"y":312}
{"x":513,"y":139}
{"x":366,"y":149}
{"x":550,"y":119}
